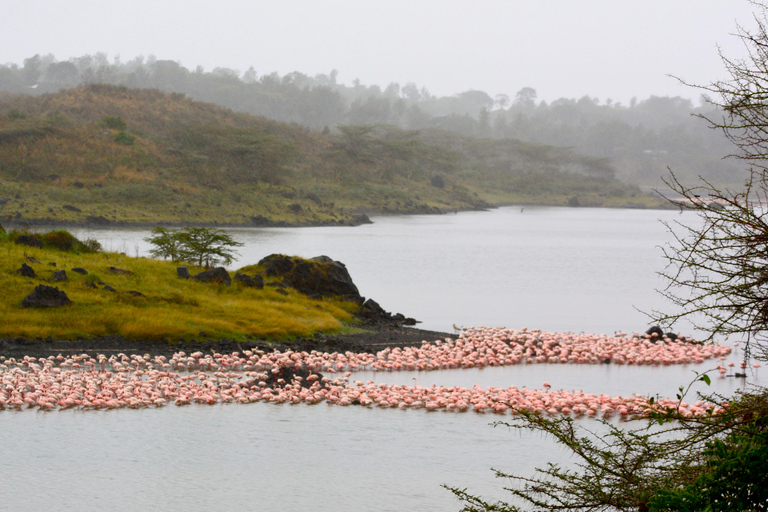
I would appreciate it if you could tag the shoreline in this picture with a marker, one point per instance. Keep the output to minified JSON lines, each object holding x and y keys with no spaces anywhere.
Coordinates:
{"x":360,"y":218}
{"x":375,"y":339}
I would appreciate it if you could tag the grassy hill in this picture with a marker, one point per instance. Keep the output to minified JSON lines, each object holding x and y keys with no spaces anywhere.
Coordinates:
{"x":103,"y":154}
{"x":147,"y":300}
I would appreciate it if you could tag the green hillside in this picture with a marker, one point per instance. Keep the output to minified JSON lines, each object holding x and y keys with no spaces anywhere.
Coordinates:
{"x":104,"y":154}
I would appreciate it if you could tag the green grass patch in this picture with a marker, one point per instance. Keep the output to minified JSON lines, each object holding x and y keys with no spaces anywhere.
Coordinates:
{"x":166,"y":306}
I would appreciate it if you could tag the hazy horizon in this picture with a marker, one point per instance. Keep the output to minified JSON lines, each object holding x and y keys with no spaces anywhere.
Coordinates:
{"x":606,"y":50}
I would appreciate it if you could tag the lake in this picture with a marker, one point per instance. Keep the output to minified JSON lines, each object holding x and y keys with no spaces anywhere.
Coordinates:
{"x":555,"y":269}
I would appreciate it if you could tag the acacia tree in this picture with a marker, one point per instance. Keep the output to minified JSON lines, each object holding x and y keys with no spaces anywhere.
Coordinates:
{"x":717,"y":270}
{"x":202,"y":246}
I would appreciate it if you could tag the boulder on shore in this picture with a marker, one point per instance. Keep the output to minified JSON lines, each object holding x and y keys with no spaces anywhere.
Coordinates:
{"x":45,"y":296}
{"x":320,"y":276}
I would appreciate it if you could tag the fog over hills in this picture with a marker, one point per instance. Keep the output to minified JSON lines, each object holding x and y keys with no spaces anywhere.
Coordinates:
{"x":561,"y":48}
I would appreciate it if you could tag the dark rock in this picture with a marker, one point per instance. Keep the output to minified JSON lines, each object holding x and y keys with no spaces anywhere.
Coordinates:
{"x":80,"y":270}
{"x":78,"y":184}
{"x":52,"y":263}
{"x":655,"y":331}
{"x":30,"y":259}
{"x":183,"y":272}
{"x":26,"y":270}
{"x":60,"y":275}
{"x":312,"y":197}
{"x":98,"y":220}
{"x":245,"y":279}
{"x":29,"y":240}
{"x":318,"y":276}
{"x":120,"y":271}
{"x":72,"y":208}
{"x":134,"y":293}
{"x":258,"y":281}
{"x":370,"y":310}
{"x":403,"y":320}
{"x":108,"y":288}
{"x":90,"y":284}
{"x":282,"y":291}
{"x":214,"y":275}
{"x":294,"y":207}
{"x":45,"y":297}
{"x":286,"y":375}
{"x":360,"y":218}
{"x":261,"y":221}
{"x":437,"y":181}
{"x":574,"y":201}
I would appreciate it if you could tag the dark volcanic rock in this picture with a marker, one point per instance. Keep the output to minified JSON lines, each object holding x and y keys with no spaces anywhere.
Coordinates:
{"x":245,"y":279}
{"x":183,"y":272}
{"x":46,"y":297}
{"x":655,"y":333}
{"x":80,"y":270}
{"x":98,"y":220}
{"x":72,"y":208}
{"x":60,"y":275}
{"x":214,"y":275}
{"x":261,"y":221}
{"x":319,"y":276}
{"x":26,"y":270}
{"x":29,"y":240}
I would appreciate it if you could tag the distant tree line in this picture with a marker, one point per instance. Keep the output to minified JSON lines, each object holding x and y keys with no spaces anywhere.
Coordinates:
{"x":641,"y":139}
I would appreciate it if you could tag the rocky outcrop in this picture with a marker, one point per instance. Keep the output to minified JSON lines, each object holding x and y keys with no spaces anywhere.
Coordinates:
{"x":183,"y":272}
{"x":252,"y":282}
{"x":214,"y":275}
{"x":372,"y":313}
{"x":320,"y":276}
{"x":46,"y":297}
{"x":60,"y":275}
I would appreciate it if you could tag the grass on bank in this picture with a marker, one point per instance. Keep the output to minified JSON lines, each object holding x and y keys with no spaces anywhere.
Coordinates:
{"x":169,"y":307}
{"x":63,"y":160}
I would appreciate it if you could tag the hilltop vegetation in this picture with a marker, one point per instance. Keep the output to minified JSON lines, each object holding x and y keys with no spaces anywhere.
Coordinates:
{"x":642,"y":139}
{"x":103,"y":154}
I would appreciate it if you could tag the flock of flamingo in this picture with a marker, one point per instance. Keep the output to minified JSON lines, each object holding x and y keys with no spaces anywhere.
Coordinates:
{"x":136,"y":381}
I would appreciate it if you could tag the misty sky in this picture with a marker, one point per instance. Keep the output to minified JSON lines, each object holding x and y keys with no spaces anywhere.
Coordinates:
{"x":562,"y":48}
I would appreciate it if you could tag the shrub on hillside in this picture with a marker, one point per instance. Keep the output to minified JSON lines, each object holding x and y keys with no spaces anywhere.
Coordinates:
{"x":61,"y":240}
{"x":113,"y":122}
{"x":124,"y":138}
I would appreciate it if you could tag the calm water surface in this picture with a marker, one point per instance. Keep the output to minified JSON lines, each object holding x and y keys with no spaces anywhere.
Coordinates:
{"x":554,"y":269}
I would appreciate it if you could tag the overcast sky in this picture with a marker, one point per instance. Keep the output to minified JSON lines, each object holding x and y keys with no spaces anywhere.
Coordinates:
{"x":562,"y":48}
